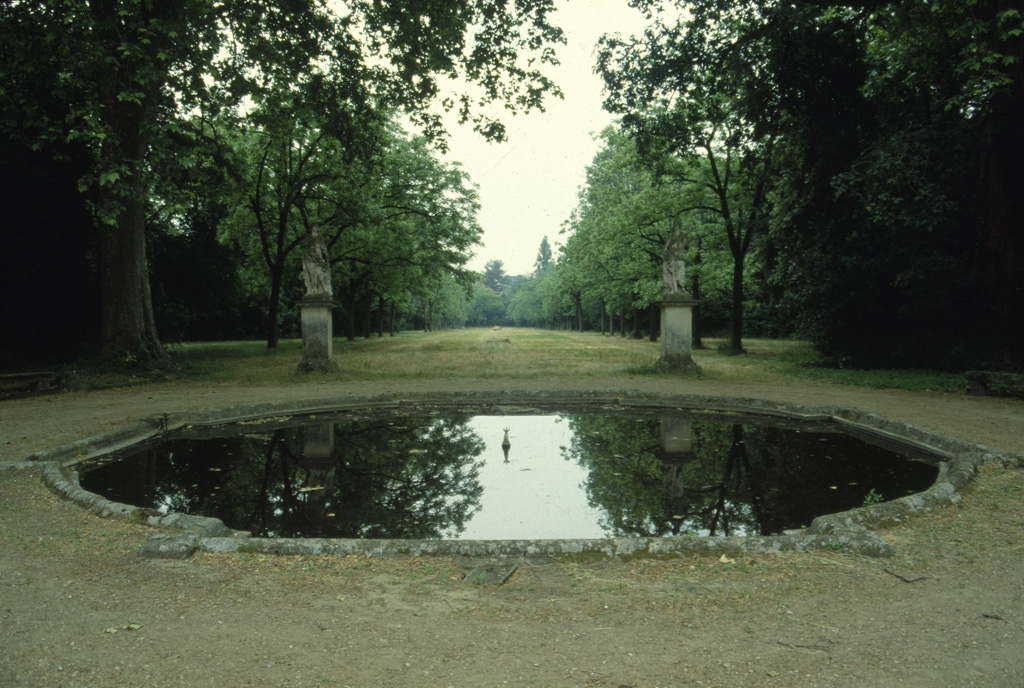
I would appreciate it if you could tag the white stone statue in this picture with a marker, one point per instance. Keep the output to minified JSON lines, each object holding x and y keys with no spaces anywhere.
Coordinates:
{"x":316,"y":268}
{"x":674,"y":266}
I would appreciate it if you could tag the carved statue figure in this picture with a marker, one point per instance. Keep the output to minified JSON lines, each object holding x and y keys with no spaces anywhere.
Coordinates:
{"x":316,"y":268}
{"x":674,"y":268}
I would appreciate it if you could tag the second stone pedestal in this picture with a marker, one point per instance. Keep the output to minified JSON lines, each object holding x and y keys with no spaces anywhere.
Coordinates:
{"x":317,"y":336}
{"x":677,"y":334}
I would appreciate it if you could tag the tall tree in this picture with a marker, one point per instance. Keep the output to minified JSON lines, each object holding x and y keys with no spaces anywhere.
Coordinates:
{"x":543,"y":257}
{"x":495,"y":279}
{"x":292,"y":177}
{"x":682,"y":91}
{"x":416,"y":227}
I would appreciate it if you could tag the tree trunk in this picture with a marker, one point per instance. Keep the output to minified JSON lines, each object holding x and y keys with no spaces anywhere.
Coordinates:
{"x":697,"y":343}
{"x":276,"y":279}
{"x":350,"y":313}
{"x":367,"y":314}
{"x":736,"y":318}
{"x":127,"y":328}
{"x":391,"y":320}
{"x":654,"y":321}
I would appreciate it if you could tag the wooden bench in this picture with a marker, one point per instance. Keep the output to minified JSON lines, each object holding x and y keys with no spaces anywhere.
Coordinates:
{"x":980,"y":382}
{"x":15,"y":384}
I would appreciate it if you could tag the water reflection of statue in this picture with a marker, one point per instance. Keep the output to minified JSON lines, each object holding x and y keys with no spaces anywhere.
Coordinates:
{"x":674,"y":266}
{"x":320,"y":462}
{"x":316,"y":268}
{"x":675,"y":451}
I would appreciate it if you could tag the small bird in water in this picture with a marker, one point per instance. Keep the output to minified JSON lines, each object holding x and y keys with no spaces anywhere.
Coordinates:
{"x":505,"y":445}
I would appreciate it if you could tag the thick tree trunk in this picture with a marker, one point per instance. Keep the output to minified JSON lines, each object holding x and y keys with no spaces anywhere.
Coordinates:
{"x":127,"y":328}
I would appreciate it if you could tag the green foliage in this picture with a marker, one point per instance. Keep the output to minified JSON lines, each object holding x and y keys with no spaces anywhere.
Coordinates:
{"x":881,"y":222}
{"x":524,"y":307}
{"x":543,"y":261}
{"x":486,"y":308}
{"x":685,"y":92}
{"x":611,"y":259}
{"x":48,"y":257}
{"x":495,"y":279}
{"x":873,"y":497}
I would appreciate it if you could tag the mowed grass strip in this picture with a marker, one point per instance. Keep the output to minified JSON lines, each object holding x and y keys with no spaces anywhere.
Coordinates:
{"x":508,"y":353}
{"x":469,"y":353}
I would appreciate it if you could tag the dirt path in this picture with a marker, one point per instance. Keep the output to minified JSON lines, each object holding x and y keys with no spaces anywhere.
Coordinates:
{"x":80,"y":608}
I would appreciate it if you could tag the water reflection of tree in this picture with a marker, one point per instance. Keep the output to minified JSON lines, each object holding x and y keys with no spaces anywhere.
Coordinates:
{"x":409,"y":477}
{"x":738,"y":479}
{"x":627,"y":477}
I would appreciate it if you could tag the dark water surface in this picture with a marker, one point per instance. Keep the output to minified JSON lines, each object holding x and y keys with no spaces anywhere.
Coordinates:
{"x":566,"y":475}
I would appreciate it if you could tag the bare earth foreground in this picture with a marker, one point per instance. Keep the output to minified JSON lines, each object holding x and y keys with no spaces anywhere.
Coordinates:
{"x":78,"y":607}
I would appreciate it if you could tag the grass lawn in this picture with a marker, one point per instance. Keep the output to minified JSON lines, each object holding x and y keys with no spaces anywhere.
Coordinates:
{"x":509,"y":353}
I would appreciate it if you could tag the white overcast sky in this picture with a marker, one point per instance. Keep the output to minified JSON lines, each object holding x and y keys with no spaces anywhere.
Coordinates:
{"x":528,"y":185}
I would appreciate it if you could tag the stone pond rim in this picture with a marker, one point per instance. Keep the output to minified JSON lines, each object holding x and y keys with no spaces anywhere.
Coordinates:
{"x":849,"y":531}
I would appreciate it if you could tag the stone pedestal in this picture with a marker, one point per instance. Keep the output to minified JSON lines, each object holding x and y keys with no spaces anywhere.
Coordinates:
{"x":677,"y":333}
{"x":317,"y":336}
